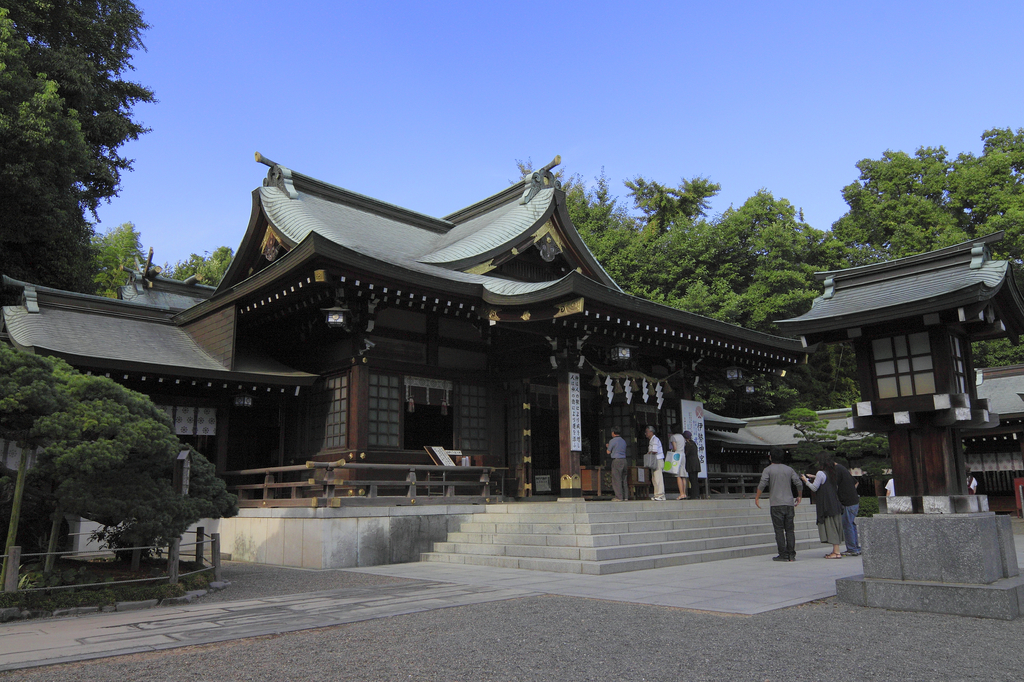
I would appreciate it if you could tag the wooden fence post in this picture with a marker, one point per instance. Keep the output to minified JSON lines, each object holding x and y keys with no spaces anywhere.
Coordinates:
{"x":200,"y":537}
{"x":216,"y":556}
{"x":11,"y":577}
{"x":172,"y":561}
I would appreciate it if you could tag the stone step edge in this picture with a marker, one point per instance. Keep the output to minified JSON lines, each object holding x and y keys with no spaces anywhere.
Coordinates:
{"x":499,"y":538}
{"x":741,"y":541}
{"x":704,"y":556}
{"x":590,"y":530}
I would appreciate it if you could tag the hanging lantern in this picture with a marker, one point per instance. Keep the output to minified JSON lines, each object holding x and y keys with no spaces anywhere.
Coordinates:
{"x":411,"y":406}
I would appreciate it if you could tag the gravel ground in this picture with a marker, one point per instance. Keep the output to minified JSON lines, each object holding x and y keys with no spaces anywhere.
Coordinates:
{"x":545,"y":638}
{"x":252,"y":581}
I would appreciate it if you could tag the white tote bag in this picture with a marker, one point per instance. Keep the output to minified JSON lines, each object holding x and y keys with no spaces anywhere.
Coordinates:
{"x":673,"y":462}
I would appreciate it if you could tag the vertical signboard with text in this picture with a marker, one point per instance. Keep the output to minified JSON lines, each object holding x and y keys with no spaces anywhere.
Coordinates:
{"x":693,"y":421}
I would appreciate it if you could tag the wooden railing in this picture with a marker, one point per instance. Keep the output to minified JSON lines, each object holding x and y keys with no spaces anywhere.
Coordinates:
{"x":343,"y":482}
{"x":733,"y":484}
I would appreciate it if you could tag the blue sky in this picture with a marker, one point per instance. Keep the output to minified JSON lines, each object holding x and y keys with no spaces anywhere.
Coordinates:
{"x":428,"y":105}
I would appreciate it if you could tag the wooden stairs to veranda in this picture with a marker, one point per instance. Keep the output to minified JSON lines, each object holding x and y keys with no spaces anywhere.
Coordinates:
{"x":600,"y":538}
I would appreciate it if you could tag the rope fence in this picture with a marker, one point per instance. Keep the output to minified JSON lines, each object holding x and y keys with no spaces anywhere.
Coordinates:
{"x":13,"y":562}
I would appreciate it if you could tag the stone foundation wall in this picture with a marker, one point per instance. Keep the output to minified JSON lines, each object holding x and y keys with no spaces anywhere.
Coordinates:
{"x":336,"y":538}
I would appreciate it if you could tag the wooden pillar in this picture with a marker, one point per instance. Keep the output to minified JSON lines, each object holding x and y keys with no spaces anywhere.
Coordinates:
{"x":526,"y":439}
{"x":927,"y":460}
{"x":223,"y":425}
{"x":359,"y":400}
{"x":569,"y":459}
{"x":280,"y":435}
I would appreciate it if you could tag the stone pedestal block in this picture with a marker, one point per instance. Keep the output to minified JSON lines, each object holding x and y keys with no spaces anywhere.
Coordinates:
{"x":933,"y":504}
{"x":964,"y":564}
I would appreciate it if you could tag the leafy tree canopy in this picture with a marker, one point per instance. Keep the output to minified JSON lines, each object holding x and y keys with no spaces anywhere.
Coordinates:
{"x":30,"y":388}
{"x":813,"y":433}
{"x":665,"y":208}
{"x":114,"y":252}
{"x":107,"y":451}
{"x":209,"y":268}
{"x":65,"y":110}
{"x":902,"y":204}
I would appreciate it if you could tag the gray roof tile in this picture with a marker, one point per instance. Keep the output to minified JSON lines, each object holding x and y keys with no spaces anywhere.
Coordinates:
{"x":895,"y":293}
{"x":502,"y":226}
{"x":379,"y":237}
{"x":108,"y":337}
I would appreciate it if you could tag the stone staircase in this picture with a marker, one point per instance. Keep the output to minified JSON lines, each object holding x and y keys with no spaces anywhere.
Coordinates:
{"x":601,"y":538}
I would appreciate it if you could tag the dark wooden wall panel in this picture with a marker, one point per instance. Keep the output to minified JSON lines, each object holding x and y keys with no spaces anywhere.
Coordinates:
{"x":216,"y":335}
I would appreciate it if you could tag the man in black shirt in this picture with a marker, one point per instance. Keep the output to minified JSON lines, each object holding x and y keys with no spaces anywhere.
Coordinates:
{"x":846,"y":486}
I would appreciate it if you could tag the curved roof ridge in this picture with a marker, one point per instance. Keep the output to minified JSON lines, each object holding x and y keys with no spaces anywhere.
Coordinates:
{"x":292,"y":182}
{"x":473,"y":240}
{"x":501,"y":198}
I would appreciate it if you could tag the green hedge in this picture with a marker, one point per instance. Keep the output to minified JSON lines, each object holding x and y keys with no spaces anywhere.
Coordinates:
{"x":868,"y":507}
{"x":51,"y":600}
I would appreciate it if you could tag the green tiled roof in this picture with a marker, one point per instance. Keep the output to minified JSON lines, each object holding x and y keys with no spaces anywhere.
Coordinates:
{"x":380,"y":237}
{"x":491,"y":231}
{"x":932,"y":282}
{"x":922,"y":292}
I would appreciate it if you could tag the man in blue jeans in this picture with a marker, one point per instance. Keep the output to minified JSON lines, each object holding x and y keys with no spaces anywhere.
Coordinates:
{"x":780,"y":479}
{"x":846,"y":486}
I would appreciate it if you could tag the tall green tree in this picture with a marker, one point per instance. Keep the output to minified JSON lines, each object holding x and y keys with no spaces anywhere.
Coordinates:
{"x":902,"y":204}
{"x":65,"y":111}
{"x":749,"y":266}
{"x":753,"y":265}
{"x":114,"y":253}
{"x":31,"y":388}
{"x":665,"y":208}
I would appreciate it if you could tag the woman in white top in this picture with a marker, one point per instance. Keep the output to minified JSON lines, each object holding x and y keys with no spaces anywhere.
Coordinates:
{"x":676,"y":443}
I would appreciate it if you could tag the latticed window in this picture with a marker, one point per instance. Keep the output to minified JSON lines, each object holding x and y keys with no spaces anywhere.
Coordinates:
{"x":336,"y":412}
{"x":385,"y":410}
{"x":903,"y":365}
{"x":671,"y":419}
{"x":472,"y":417}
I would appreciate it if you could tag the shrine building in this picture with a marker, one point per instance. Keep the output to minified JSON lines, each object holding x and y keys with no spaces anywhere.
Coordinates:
{"x":348,"y":327}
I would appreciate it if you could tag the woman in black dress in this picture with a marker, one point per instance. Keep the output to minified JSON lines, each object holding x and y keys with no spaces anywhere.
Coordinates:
{"x":826,"y":504}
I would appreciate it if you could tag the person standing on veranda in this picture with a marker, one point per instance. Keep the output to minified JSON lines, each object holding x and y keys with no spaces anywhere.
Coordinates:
{"x":677,"y":443}
{"x":657,"y":472}
{"x":617,"y":449}
{"x":692,"y":460}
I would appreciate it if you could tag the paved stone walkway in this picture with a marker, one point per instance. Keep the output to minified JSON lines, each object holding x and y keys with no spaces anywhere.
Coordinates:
{"x":742,"y":586}
{"x":60,"y":640}
{"x":749,"y":586}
